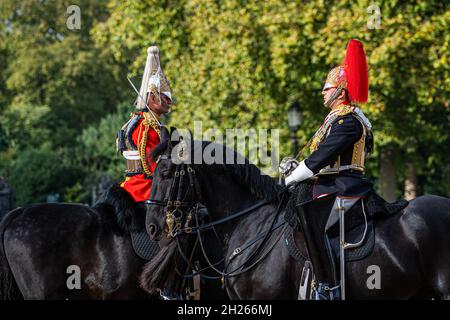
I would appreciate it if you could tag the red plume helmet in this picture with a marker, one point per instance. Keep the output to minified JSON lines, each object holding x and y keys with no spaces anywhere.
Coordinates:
{"x":356,"y":72}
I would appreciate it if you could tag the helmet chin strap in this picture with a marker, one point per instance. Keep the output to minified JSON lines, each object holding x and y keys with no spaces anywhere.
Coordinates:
{"x":333,"y":97}
{"x":159,"y":115}
{"x":145,"y":102}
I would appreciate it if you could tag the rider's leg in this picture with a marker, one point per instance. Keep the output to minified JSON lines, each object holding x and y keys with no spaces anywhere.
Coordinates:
{"x":341,"y":206}
{"x":316,"y":218}
{"x":313,"y":218}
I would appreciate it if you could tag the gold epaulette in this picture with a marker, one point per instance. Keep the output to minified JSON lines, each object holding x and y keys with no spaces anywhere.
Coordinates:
{"x":344,"y":110}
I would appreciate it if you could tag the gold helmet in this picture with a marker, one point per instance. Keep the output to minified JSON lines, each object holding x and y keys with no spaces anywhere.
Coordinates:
{"x":154,"y":80}
{"x":336,"y":78}
{"x":352,"y":75}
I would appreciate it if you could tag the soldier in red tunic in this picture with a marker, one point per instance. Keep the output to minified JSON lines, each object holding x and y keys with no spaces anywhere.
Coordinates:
{"x":141,"y":133}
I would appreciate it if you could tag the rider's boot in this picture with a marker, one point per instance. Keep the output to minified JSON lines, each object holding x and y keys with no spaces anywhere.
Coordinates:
{"x":313,"y":217}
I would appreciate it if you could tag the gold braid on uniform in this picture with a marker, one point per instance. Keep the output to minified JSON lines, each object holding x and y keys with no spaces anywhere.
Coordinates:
{"x":147,"y":123}
{"x":318,"y":137}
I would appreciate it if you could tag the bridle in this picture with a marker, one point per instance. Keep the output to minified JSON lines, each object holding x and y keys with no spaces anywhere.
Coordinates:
{"x":179,"y":205}
{"x":176,"y":205}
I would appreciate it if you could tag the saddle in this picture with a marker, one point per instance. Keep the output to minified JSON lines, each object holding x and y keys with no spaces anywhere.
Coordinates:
{"x":143,"y":246}
{"x":376,"y":209}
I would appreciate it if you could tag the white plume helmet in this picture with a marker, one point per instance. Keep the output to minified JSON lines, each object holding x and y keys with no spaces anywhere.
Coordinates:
{"x":153,"y":81}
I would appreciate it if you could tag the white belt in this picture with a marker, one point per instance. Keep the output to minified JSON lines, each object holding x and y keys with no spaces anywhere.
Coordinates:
{"x":131,"y":155}
{"x":332,"y":170}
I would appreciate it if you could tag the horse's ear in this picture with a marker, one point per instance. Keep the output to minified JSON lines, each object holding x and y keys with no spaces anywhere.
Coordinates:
{"x":174,"y":138}
{"x":163,"y":144}
{"x":165,"y":135}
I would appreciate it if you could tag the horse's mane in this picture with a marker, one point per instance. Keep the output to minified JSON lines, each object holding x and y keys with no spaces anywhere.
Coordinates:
{"x":244,"y":172}
{"x":250,"y":176}
{"x":119,"y":210}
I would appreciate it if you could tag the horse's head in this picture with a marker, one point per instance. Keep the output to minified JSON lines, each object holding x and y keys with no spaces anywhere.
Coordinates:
{"x":172,"y":198}
{"x":190,"y":172}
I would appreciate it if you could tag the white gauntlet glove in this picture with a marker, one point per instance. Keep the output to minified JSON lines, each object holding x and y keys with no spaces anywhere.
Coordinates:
{"x":287,"y":165}
{"x":300,"y":173}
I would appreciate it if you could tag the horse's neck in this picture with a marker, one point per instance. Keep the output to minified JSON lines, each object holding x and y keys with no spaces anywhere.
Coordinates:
{"x":223,"y":196}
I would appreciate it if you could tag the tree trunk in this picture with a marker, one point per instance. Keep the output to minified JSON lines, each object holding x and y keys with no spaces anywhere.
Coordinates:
{"x":410,"y":182}
{"x":387,"y":174}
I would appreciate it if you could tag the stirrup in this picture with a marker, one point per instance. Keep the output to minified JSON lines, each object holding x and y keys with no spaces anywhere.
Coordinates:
{"x":324,"y":292}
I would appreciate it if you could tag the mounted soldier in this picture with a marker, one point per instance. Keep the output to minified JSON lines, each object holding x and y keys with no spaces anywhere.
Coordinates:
{"x":141,"y":133}
{"x":338,"y":150}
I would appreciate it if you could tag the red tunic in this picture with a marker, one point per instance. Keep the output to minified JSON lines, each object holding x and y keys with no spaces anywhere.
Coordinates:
{"x":138,"y":186}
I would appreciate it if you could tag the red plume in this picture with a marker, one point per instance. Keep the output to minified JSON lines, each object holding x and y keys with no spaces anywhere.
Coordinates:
{"x":356,"y":72}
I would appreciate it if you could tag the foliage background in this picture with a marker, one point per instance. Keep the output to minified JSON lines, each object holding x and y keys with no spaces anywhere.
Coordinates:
{"x":232,"y":64}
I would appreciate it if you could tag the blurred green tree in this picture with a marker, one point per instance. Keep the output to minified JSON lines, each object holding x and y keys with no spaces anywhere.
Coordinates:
{"x":241,"y":63}
{"x":37,"y":173}
{"x":232,"y":64}
{"x":52,"y":65}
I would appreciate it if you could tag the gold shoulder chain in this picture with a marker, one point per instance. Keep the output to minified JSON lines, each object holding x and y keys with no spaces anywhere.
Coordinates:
{"x":147,"y":123}
{"x":150,"y":120}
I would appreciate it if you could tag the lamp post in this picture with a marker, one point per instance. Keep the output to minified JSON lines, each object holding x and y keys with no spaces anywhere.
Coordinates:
{"x":294,"y":122}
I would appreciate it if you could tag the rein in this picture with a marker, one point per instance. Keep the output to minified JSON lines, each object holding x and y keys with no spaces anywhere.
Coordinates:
{"x":178,"y":204}
{"x":239,"y":250}
{"x":238,"y":214}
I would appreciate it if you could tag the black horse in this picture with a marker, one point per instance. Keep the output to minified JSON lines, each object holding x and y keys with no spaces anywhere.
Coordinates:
{"x":43,"y":246}
{"x":412,"y":249}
